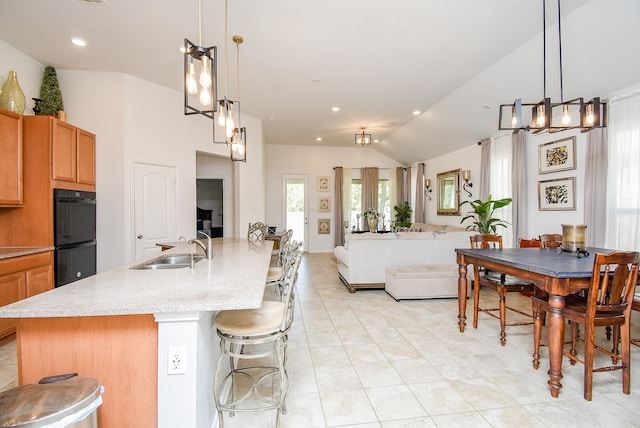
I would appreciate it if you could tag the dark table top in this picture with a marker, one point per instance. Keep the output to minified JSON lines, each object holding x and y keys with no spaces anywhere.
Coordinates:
{"x":544,"y":261}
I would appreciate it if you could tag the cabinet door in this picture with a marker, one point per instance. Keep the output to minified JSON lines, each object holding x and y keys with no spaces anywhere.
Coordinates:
{"x":10,"y":158}
{"x":10,"y":287}
{"x":39,"y":280}
{"x":86,"y":157}
{"x":64,"y":151}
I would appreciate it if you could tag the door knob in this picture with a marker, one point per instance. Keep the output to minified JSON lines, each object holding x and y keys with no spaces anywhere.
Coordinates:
{"x":139,"y":236}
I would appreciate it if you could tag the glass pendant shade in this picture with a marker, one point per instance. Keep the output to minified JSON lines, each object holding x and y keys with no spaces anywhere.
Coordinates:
{"x":199,"y":79}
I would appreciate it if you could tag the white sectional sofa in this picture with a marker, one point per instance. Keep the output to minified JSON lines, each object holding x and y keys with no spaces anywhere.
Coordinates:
{"x":364,"y":257}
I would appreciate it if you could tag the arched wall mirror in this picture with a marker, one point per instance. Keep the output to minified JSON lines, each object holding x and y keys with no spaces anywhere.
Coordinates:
{"x":449,"y":192}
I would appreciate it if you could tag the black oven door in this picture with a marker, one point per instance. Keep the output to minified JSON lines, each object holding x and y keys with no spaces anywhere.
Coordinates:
{"x":74,"y":262}
{"x":74,"y":216}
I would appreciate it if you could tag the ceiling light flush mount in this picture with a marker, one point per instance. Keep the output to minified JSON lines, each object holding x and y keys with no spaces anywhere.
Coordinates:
{"x":546,"y":115}
{"x":200,"y":81}
{"x":362,"y":138}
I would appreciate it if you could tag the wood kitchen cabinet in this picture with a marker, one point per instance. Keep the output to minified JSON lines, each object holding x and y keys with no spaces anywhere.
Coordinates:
{"x":22,"y":277}
{"x":73,"y":152}
{"x":10,"y":159}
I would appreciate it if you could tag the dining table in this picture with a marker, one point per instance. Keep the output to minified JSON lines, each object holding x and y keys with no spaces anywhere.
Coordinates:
{"x":559,"y":273}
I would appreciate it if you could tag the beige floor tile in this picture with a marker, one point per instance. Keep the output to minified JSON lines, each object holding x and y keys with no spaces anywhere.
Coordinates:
{"x":347,"y":407}
{"x":394,"y":402}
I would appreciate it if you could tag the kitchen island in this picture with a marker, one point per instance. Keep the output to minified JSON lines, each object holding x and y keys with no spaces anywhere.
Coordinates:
{"x":118,"y":327}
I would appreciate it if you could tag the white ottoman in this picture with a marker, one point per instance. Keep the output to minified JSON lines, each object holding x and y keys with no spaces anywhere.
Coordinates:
{"x":421,"y":281}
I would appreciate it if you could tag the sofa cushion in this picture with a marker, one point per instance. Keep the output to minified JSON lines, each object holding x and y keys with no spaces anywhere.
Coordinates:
{"x":414,"y":235}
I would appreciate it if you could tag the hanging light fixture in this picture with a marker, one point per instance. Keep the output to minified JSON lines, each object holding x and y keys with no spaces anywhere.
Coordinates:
{"x":238,"y":141}
{"x":589,"y":115}
{"x":200,"y":79}
{"x":229,"y":110}
{"x":362,"y":138}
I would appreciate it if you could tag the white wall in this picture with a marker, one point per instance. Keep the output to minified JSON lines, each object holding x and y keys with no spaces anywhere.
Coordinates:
{"x":313,"y":162}
{"x":466,"y":158}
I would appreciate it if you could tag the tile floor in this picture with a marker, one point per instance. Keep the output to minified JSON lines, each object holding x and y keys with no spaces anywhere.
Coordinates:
{"x":365,"y":360}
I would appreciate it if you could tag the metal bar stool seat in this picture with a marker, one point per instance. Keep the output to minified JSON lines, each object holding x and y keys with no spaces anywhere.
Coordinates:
{"x":260,"y":335}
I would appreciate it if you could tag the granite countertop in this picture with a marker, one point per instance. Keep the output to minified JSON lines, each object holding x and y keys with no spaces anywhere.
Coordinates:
{"x":9,"y":252}
{"x":233,"y":279}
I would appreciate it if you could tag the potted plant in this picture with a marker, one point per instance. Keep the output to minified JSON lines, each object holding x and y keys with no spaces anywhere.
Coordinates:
{"x":403,"y":214}
{"x":50,"y":95}
{"x":482,"y":214}
{"x":372,"y":215}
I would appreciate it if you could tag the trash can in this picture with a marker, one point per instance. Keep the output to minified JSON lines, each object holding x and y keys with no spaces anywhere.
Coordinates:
{"x":59,"y":401}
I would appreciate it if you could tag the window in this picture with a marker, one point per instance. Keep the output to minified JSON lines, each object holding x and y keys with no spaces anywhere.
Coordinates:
{"x":384,"y":201}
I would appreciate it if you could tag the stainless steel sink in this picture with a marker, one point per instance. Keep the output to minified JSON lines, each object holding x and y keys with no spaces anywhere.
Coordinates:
{"x":170,"y":261}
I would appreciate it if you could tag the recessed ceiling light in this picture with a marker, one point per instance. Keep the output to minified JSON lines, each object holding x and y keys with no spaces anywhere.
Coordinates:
{"x":335,"y":108}
{"x":376,"y":141}
{"x":78,"y":41}
{"x":416,"y":112}
{"x":318,"y":138}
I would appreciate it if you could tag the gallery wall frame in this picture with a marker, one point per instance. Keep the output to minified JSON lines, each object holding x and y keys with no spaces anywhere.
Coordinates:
{"x":324,"y":204}
{"x":557,"y":194}
{"x":324,"y":226}
{"x":323,"y":184}
{"x":557,"y":155}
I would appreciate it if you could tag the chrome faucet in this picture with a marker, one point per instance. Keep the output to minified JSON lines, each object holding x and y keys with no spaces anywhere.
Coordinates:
{"x":193,"y":264}
{"x":208,"y":250}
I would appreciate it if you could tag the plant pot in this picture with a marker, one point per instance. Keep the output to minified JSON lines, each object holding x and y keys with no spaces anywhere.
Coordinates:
{"x":373,"y":225}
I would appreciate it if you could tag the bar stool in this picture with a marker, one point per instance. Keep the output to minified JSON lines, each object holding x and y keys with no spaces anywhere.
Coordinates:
{"x":256,"y":334}
{"x":256,"y":232}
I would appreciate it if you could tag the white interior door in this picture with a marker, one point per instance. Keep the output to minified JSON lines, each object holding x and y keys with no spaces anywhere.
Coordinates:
{"x":296,"y":207}
{"x":154,"y":207}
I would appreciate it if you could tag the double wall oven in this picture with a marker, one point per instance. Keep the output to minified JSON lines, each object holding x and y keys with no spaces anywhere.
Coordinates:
{"x":74,"y":235}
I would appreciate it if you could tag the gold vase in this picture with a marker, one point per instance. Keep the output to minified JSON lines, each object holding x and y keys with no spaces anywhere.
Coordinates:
{"x":11,"y":96}
{"x":373,"y":225}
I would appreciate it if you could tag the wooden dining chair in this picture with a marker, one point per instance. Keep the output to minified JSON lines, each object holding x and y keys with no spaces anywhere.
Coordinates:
{"x":551,"y":240}
{"x":635,"y":306}
{"x":529,"y":243}
{"x":608,"y":303}
{"x":502,"y":283}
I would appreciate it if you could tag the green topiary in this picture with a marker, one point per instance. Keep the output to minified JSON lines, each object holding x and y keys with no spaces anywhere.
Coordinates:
{"x":50,"y":93}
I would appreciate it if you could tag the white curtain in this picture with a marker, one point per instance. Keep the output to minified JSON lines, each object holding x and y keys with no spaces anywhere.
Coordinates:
{"x":485,"y":169}
{"x":500,"y":182}
{"x":519,"y":187}
{"x":595,"y":185}
{"x":623,"y":188}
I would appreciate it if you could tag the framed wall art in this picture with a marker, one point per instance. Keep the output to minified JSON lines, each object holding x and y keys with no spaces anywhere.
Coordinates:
{"x":324,"y":226}
{"x":557,"y":195}
{"x":323,"y":184}
{"x":324,"y":204}
{"x":557,"y":155}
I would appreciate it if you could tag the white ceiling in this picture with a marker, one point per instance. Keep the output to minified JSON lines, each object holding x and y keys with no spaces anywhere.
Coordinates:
{"x":378,"y":60}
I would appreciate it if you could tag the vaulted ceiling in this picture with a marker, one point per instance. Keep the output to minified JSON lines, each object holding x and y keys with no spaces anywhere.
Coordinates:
{"x":454,"y":61}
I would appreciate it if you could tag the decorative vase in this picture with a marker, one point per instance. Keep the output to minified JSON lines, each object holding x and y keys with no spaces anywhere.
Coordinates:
{"x":11,"y":97}
{"x":373,"y":225}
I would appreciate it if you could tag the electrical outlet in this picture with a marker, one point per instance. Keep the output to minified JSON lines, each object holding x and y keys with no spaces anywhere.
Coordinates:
{"x":177,"y":360}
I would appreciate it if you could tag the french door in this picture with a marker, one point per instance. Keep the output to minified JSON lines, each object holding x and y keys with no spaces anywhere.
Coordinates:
{"x":296,"y":207}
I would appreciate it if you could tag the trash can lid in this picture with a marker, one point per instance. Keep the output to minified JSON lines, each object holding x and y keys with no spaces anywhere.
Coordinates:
{"x":37,"y":405}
